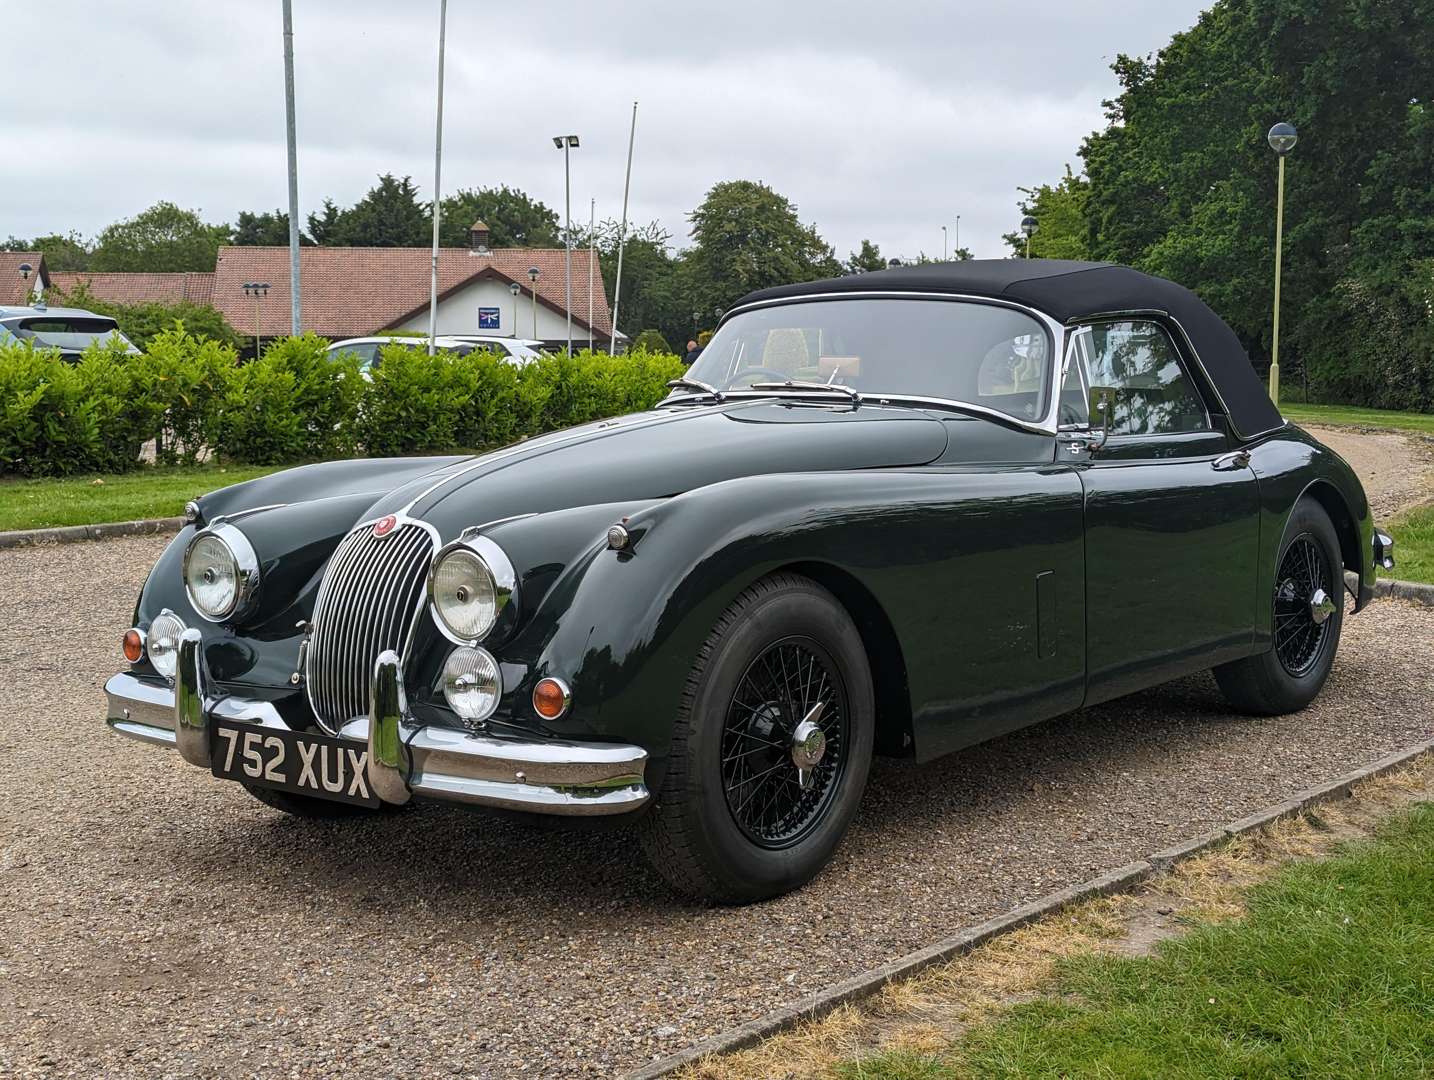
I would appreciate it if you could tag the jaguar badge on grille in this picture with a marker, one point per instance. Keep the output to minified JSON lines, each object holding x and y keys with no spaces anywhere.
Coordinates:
{"x":383,"y":526}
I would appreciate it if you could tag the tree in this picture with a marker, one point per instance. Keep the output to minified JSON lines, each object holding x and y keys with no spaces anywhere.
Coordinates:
{"x":163,"y":238}
{"x":264,"y":229}
{"x":390,"y":215}
{"x":68,"y":252}
{"x":514,"y":218}
{"x":749,"y":237}
{"x":868,"y":258}
{"x":1064,"y":231}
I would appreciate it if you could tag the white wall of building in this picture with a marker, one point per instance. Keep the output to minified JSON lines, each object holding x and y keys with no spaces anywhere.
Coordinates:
{"x":458,"y":314}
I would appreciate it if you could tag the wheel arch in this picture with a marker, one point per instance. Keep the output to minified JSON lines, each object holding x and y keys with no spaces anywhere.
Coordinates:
{"x":895,"y":733}
{"x":1329,"y":498}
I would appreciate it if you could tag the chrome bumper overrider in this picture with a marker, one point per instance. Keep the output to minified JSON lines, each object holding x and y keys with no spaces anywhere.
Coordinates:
{"x":547,"y":777}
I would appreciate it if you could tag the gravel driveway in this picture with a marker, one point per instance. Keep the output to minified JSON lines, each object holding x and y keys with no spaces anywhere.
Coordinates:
{"x":163,"y":922}
{"x":1397,"y":470}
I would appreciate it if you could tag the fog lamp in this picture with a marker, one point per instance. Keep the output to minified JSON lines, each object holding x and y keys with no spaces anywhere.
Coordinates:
{"x":164,"y":642}
{"x":472,"y":684}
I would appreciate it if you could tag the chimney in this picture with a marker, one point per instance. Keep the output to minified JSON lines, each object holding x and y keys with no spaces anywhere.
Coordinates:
{"x":478,"y":239}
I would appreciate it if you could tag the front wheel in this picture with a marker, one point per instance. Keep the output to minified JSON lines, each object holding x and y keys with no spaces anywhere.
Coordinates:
{"x":770,"y":749}
{"x":1308,"y":612}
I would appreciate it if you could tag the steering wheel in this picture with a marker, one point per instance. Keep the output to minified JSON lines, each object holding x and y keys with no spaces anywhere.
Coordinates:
{"x":776,"y":376}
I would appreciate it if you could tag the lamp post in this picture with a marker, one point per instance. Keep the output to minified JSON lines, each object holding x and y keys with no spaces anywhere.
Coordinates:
{"x":533,"y":277}
{"x":256,"y":289}
{"x":1029,"y":227}
{"x":592,"y":257}
{"x":945,"y":251}
{"x":567,"y":144}
{"x":622,"y":235}
{"x":514,"y":290}
{"x":958,"y":236}
{"x":292,"y":140}
{"x":437,"y":180}
{"x":1282,"y":140}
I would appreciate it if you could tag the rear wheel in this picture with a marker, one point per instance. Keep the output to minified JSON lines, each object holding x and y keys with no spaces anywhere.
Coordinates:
{"x":1308,"y":613}
{"x":770,"y":749}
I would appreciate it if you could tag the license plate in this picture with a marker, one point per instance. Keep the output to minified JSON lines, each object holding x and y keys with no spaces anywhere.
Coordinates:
{"x":301,"y":762}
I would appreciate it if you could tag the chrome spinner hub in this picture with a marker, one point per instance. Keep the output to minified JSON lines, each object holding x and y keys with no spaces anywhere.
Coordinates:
{"x":1321,"y":606}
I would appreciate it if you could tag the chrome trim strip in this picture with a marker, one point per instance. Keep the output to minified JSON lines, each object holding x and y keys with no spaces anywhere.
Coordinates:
{"x":542,"y":442}
{"x":147,"y":733}
{"x":1057,"y":331}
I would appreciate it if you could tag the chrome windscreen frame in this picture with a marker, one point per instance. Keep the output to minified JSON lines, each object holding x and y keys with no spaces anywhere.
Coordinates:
{"x":1046,"y":425}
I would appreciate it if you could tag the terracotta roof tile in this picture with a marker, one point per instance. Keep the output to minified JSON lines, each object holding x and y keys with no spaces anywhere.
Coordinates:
{"x":352,"y":292}
{"x":13,"y":288}
{"x":127,"y":288}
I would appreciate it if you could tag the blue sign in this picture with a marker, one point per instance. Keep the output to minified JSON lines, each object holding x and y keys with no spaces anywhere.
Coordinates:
{"x":487,"y":318}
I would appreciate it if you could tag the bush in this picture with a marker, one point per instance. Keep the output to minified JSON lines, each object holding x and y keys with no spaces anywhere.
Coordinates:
{"x":295,"y":403}
{"x":651,"y":341}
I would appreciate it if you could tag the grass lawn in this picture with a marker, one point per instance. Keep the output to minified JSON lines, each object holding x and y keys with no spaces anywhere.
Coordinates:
{"x":1329,"y":974}
{"x":1422,"y":423}
{"x":1413,"y":533}
{"x":146,"y":493}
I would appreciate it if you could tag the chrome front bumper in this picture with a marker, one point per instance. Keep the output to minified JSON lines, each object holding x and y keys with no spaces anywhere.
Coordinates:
{"x":403,"y":759}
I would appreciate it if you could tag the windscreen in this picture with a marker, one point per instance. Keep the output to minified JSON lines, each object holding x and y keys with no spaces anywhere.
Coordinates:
{"x":65,"y":332}
{"x":979,"y":354}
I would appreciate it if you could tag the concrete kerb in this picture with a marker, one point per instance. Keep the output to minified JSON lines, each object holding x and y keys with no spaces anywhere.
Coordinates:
{"x":71,"y":534}
{"x":814,"y":1006}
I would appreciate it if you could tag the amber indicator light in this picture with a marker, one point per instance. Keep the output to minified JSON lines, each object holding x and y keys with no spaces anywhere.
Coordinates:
{"x":550,"y":699}
{"x":133,"y":646}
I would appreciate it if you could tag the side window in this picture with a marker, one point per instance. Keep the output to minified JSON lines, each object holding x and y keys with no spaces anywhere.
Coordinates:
{"x":1153,"y":393}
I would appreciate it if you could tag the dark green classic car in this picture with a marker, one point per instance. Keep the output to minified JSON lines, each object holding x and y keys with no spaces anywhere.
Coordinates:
{"x":897,"y":513}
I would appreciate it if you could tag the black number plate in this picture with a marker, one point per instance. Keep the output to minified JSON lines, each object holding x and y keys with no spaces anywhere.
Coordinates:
{"x":301,"y":762}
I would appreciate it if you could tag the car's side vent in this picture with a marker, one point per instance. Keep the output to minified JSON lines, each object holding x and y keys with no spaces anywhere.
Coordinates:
{"x":371,"y":593}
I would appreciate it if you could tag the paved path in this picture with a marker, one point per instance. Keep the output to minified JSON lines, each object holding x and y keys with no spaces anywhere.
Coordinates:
{"x":160,"y":921}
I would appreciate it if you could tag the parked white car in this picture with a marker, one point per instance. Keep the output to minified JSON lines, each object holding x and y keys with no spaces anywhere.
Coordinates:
{"x":515,"y":350}
{"x":70,"y":330}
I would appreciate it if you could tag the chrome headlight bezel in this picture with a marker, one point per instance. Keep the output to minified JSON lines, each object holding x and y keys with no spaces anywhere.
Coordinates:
{"x":246,"y":572}
{"x":162,"y":644}
{"x":499,"y":568}
{"x":458,"y":680}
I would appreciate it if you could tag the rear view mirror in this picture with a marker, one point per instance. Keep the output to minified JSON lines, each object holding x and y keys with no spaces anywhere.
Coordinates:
{"x":1102,"y":411}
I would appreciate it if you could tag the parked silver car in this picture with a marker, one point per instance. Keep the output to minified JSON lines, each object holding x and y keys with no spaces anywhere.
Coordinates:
{"x":70,"y":330}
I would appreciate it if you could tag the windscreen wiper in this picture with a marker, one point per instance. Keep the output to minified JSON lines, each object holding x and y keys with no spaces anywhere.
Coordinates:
{"x":683,"y":382}
{"x":803,"y":384}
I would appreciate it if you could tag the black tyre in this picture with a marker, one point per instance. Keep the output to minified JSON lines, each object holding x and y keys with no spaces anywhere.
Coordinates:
{"x":306,"y":806}
{"x":1308,"y":612}
{"x":770,"y":750}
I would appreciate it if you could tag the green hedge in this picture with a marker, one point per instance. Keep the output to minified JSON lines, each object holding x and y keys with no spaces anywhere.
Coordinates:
{"x":295,"y":403}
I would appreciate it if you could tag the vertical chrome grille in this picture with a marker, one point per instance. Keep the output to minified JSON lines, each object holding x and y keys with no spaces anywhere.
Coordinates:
{"x":367,"y":602}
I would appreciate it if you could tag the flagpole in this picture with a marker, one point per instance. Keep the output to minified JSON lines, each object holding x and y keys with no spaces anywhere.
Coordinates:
{"x":437,"y":177}
{"x":592,"y":249}
{"x":622,"y":235}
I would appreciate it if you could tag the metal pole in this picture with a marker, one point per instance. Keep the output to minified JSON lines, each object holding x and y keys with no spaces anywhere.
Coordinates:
{"x":945,"y":254}
{"x":437,"y":180}
{"x":958,"y":236}
{"x":592,"y":251}
{"x":294,"y":322}
{"x":1028,"y":245}
{"x":568,"y":236}
{"x":622,"y":235}
{"x":534,"y":292}
{"x":1279,"y":245}
{"x":256,"y":324}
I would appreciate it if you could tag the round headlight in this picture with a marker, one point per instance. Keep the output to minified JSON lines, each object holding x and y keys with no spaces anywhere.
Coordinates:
{"x":472,"y":683}
{"x":465,"y":595}
{"x":163,"y":643}
{"x":221,"y":572}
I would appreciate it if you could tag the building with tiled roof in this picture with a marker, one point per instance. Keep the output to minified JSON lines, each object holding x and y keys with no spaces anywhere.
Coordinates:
{"x":15,"y":287}
{"x":355,"y":292}
{"x":136,"y":288}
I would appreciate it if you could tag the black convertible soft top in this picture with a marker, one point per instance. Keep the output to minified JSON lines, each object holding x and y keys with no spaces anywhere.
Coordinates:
{"x":1068,"y":290}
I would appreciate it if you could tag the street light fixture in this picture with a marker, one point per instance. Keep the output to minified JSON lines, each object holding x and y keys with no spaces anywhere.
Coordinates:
{"x":1282,"y":139}
{"x":515,"y":290}
{"x":256,"y":289}
{"x":25,"y":269}
{"x":1029,"y":226}
{"x":567,"y":144}
{"x":533,"y":277}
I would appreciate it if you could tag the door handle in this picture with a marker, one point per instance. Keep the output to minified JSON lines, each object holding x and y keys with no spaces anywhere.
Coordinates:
{"x":1237,"y":459}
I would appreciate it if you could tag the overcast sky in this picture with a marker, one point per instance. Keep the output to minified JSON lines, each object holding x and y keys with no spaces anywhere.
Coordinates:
{"x":879,"y":120}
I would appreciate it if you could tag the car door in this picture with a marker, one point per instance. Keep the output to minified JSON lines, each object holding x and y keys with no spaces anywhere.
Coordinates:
{"x":1171,"y":516}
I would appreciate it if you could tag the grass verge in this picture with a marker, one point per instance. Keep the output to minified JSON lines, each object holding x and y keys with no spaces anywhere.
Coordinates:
{"x":1413,"y":532}
{"x":1306,"y":949}
{"x":153,"y":492}
{"x":1420,"y":423}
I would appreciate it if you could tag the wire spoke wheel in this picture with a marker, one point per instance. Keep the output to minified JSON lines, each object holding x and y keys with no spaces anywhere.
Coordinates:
{"x":1304,"y":589}
{"x":784,"y":742}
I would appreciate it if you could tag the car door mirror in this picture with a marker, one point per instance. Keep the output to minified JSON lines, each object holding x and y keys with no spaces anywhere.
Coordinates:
{"x":1102,"y":412}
